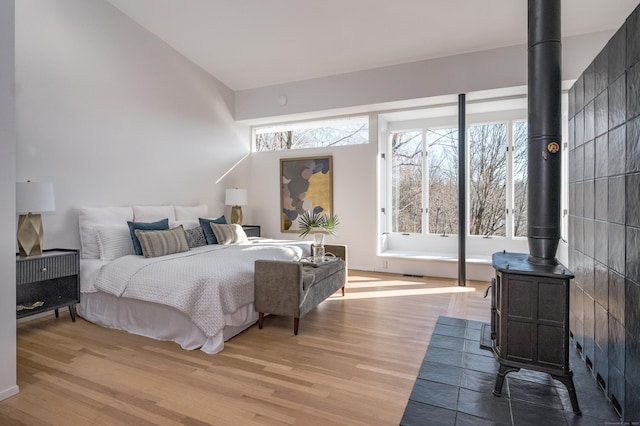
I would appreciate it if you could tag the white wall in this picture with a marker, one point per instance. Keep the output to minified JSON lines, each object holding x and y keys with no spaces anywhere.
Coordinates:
{"x":113,"y":116}
{"x":8,"y":385}
{"x":355,"y":179}
{"x":354,"y":197}
{"x":388,"y":87}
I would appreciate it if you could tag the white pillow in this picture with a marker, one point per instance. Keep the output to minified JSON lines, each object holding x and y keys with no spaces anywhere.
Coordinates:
{"x":114,"y":241}
{"x":153,"y":213}
{"x":191,"y":212}
{"x":186,"y":224}
{"x":89,"y":217}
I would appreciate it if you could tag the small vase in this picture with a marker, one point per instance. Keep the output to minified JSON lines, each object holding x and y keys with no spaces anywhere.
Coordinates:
{"x":318,"y":246}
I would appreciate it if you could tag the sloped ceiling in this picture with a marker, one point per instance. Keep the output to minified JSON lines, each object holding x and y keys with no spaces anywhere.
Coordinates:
{"x":254,"y":43}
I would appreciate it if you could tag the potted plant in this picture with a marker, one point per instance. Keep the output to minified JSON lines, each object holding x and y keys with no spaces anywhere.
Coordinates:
{"x":318,"y":224}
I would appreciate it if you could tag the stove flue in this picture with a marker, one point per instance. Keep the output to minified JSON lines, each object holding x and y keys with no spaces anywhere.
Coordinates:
{"x":530,"y":294}
{"x":545,"y":130}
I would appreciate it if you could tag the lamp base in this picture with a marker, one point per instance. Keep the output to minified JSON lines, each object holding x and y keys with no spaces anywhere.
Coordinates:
{"x":236,"y":215}
{"x":30,"y":234}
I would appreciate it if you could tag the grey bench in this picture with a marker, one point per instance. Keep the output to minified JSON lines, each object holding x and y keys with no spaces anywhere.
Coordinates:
{"x":293,"y":289}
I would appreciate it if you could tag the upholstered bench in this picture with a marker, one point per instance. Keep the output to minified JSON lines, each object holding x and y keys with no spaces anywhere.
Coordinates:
{"x":293,"y":289}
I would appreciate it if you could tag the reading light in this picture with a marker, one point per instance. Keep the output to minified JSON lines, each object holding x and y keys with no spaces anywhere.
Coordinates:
{"x":236,"y":198}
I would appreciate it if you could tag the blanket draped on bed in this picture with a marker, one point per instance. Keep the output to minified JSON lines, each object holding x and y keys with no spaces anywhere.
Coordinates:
{"x":204,"y":284}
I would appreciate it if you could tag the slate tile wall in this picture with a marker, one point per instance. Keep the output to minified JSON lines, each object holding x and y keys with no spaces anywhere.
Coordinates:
{"x":604,"y":217}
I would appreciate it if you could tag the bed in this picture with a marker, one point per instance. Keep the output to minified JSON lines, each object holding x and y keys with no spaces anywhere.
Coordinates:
{"x":198,"y":298}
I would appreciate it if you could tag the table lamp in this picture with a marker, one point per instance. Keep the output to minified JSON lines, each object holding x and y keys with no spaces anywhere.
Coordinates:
{"x":32,"y":197}
{"x":236,"y":198}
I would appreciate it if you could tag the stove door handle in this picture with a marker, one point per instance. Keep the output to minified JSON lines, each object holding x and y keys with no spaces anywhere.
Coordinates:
{"x":486,"y":292}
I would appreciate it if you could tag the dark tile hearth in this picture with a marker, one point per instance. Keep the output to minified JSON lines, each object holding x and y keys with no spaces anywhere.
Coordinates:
{"x":456,"y":380}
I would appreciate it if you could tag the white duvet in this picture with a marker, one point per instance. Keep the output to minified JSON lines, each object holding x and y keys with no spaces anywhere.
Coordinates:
{"x":205,"y":284}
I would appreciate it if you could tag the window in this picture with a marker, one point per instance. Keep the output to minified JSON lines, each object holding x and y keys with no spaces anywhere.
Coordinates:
{"x":419,"y":178}
{"x":487,"y":179}
{"x":520,"y":173}
{"x":442,"y":154}
{"x":424,"y":180}
{"x":406,"y":190}
{"x":313,"y":134}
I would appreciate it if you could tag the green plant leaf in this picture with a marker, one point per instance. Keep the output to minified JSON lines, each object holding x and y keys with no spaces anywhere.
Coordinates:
{"x":317,"y":222}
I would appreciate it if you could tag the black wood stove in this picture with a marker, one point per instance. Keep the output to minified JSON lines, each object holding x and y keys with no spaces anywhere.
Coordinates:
{"x":530,"y":320}
{"x":530,"y":293}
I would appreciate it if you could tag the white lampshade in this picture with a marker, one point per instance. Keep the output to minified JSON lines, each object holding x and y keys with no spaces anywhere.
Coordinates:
{"x":35,"y":197}
{"x":236,"y":197}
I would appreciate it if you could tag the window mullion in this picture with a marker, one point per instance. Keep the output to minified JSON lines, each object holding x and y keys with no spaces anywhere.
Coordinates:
{"x":388,"y":164}
{"x":510,"y":205}
{"x":425,"y":184}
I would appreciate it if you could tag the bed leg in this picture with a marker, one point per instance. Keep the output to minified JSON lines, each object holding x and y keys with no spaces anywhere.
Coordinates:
{"x":260,"y":319}
{"x":296,"y":323}
{"x":343,"y":291}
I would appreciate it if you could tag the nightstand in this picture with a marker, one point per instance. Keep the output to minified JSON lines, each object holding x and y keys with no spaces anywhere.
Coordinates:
{"x":47,"y":281}
{"x":251,"y":230}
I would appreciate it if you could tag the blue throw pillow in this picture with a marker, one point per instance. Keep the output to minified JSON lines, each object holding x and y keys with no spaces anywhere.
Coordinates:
{"x":206,"y":228}
{"x":160,"y":225}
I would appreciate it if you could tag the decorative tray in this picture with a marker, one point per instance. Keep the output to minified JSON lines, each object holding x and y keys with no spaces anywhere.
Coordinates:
{"x":315,"y":262}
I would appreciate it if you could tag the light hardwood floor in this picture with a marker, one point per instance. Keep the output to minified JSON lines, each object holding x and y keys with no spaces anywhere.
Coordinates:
{"x":354,"y":363}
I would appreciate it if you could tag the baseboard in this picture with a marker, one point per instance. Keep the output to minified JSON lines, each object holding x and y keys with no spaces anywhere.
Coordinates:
{"x":13,"y":390}
{"x":362,"y":268}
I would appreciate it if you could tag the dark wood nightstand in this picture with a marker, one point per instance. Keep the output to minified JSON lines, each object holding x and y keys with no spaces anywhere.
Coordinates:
{"x":251,"y":230}
{"x":47,"y":281}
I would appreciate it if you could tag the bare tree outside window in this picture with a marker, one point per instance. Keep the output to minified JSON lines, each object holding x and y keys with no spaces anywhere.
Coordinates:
{"x":275,"y":141}
{"x":442,"y":154}
{"x":406,"y":181}
{"x":434,"y":162}
{"x":520,"y":173}
{"x":318,"y":134}
{"x":488,"y":179}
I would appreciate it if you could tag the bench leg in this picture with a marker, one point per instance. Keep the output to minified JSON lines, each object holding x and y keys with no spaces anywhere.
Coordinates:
{"x":296,"y":323}
{"x":260,"y":319}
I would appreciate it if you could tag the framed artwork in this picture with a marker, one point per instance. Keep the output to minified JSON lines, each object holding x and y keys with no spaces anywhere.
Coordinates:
{"x":305,"y":184}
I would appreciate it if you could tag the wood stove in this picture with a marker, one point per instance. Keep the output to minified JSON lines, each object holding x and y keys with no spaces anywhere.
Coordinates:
{"x":530,"y":293}
{"x":530,"y":320}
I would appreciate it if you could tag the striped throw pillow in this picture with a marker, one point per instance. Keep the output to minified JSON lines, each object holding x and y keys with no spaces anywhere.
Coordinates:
{"x":162,"y":243}
{"x":227,"y":234}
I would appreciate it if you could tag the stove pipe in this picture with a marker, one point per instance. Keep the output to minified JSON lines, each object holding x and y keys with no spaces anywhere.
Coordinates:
{"x":545,"y":130}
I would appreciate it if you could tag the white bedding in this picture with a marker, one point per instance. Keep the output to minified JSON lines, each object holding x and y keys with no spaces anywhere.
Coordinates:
{"x":204,"y":284}
{"x":161,"y":322}
{"x":203,"y":301}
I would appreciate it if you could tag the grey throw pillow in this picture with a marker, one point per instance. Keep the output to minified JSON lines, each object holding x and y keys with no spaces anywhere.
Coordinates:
{"x":195,"y":237}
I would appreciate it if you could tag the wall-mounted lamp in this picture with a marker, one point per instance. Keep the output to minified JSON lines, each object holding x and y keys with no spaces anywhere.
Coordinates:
{"x":236,"y":198}
{"x":32,"y":197}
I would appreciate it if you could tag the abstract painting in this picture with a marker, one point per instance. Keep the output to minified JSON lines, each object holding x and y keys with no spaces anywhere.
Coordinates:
{"x":305,"y":184}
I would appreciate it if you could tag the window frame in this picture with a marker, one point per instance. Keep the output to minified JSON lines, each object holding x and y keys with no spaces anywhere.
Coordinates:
{"x":508,"y":167}
{"x":312,"y":123}
{"x":510,"y":189}
{"x":434,"y":246}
